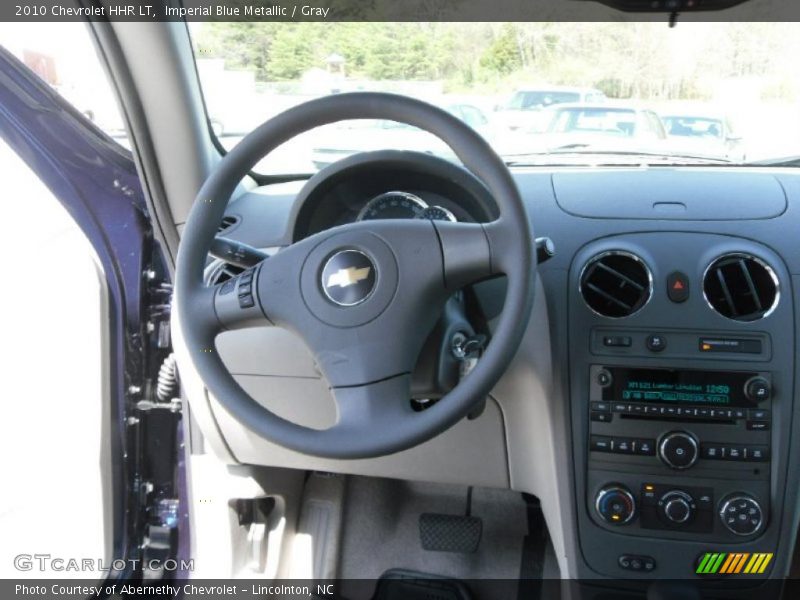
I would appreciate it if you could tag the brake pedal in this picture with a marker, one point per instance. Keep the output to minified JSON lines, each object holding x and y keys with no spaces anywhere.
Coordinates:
{"x":450,"y":533}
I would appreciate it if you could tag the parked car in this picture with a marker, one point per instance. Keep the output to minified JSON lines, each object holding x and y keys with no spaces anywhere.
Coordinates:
{"x":616,"y":127}
{"x":704,"y":133}
{"x":523,"y":109}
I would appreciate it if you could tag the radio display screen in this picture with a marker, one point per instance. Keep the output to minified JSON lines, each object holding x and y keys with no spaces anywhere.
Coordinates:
{"x":672,"y":386}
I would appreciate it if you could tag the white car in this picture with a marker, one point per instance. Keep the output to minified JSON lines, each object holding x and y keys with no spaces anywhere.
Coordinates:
{"x":523,"y":111}
{"x":704,"y":134}
{"x":602,"y":127}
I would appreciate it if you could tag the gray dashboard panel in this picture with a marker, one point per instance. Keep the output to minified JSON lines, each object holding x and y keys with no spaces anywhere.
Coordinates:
{"x":701,"y":195}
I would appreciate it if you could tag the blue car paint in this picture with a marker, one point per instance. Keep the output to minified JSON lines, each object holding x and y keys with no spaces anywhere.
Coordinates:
{"x":96,"y":181}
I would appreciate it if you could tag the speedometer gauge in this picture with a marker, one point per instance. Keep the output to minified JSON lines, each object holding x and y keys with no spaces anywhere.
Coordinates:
{"x":393,"y":205}
{"x":438,"y":213}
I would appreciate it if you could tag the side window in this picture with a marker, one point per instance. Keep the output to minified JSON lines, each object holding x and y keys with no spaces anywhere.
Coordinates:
{"x":63,"y":55}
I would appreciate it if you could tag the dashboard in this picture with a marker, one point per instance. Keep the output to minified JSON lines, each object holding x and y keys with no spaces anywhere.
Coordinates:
{"x":400,"y":188}
{"x":652,"y":406}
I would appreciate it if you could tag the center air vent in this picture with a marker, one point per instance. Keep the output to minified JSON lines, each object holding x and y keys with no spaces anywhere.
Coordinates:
{"x":616,"y":284}
{"x":741,"y":287}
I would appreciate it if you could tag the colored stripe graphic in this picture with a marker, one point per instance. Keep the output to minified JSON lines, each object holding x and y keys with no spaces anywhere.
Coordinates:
{"x":752,"y":564}
{"x":763,"y":566}
{"x":740,"y":562}
{"x":701,"y":568}
{"x":727,"y":564}
{"x":734,"y":563}
{"x":714,"y":562}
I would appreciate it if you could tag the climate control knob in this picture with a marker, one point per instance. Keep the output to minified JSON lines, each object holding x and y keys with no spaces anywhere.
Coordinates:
{"x":741,"y":514}
{"x":615,"y":504}
{"x":677,"y":507}
{"x":678,"y":449}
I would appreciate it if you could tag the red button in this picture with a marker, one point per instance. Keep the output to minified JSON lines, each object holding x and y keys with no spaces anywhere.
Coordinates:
{"x":677,"y":287}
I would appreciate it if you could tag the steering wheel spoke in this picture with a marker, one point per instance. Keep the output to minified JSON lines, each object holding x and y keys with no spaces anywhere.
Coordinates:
{"x":466,"y":253}
{"x":379,"y":406}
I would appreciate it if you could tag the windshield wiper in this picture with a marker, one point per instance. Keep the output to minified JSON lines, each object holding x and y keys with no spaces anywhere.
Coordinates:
{"x":787,"y":161}
{"x":647,"y":157}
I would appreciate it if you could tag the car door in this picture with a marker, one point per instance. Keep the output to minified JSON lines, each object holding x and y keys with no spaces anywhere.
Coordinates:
{"x":94,"y":179}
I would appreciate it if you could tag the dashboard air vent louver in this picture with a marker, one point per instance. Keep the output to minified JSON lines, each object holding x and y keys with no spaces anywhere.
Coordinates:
{"x":228,"y":221}
{"x":616,"y":284}
{"x":741,"y":287}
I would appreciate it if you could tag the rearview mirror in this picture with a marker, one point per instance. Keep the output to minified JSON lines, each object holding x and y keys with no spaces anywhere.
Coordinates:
{"x":668,"y":5}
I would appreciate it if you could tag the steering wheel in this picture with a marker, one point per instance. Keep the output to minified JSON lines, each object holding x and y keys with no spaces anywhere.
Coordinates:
{"x":363,"y":296}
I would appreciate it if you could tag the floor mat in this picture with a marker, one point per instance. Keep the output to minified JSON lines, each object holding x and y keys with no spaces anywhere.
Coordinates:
{"x":381,"y":533}
{"x":398,"y":584}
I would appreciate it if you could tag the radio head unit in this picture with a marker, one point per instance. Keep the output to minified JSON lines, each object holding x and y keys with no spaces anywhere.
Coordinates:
{"x":680,"y":387}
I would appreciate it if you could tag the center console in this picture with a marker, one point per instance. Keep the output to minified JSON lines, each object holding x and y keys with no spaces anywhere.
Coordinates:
{"x":681,"y":354}
{"x":707,"y":427}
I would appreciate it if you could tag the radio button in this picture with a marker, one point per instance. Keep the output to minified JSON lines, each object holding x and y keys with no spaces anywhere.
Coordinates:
{"x":617,"y":341}
{"x":758,"y":425}
{"x":602,"y":417}
{"x":622,"y":446}
{"x":758,"y":414}
{"x":601,"y":406}
{"x":678,"y":450}
{"x":645,"y":447}
{"x":734,"y":453}
{"x":756,"y":453}
{"x":712,"y":451}
{"x":656,"y":343}
{"x":739,"y":413}
{"x":600,"y":443}
{"x":619,"y":407}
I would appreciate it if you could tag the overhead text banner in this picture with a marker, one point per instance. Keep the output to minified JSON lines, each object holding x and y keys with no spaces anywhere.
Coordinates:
{"x":383,"y":10}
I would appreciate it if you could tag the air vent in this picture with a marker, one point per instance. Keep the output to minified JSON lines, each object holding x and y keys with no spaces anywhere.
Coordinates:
{"x":616,"y":284}
{"x":228,"y":221}
{"x":224,"y":272}
{"x":741,"y":287}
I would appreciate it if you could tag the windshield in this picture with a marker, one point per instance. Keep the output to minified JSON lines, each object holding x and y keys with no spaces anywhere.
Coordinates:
{"x":693,"y":126}
{"x":696,"y":93}
{"x":529,"y":100}
{"x":607,"y":121}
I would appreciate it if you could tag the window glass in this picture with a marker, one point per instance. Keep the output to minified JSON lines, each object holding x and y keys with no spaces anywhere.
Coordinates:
{"x":513,"y":73}
{"x":63,"y":55}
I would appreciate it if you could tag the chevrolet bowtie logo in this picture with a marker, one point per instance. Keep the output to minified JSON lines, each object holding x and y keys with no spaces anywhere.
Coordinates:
{"x":346,"y":277}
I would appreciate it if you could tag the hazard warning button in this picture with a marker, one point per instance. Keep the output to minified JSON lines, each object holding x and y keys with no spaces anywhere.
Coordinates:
{"x":677,"y":286}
